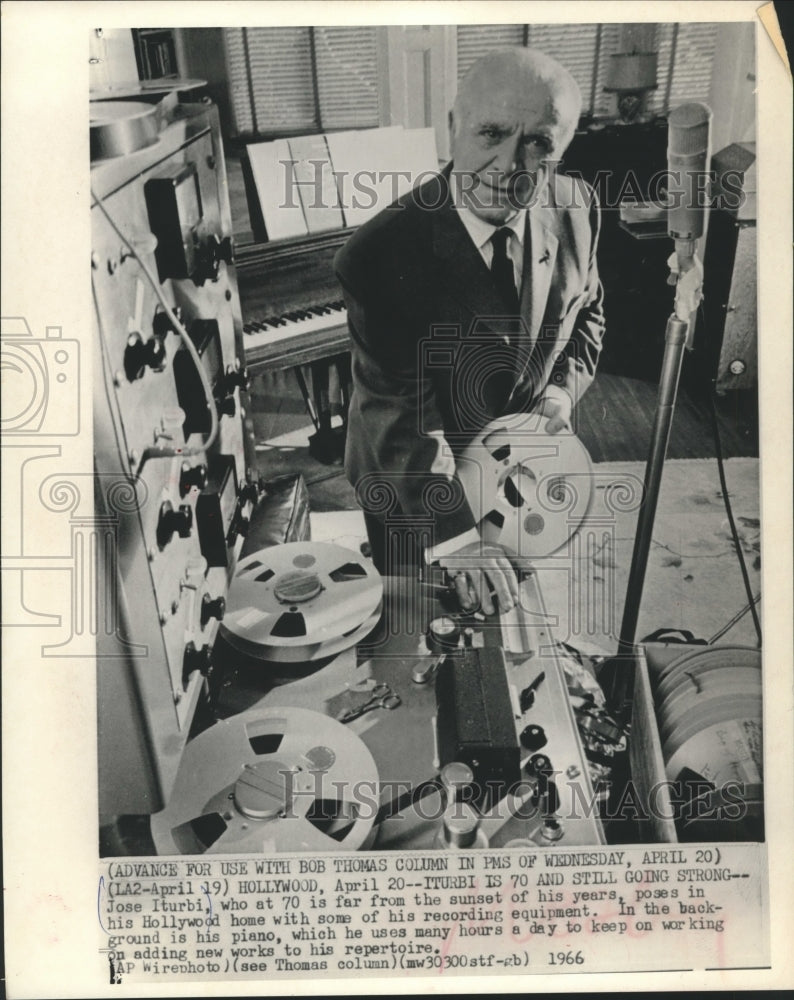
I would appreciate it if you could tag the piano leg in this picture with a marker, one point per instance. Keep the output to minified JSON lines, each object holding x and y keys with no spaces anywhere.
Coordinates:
{"x":345,"y":382}
{"x":327,"y":445}
{"x":321,"y":371}
{"x":307,"y":399}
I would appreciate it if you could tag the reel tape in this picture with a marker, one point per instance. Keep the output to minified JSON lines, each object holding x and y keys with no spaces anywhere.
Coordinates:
{"x":301,"y":602}
{"x":704,"y":687}
{"x":270,"y":780}
{"x":528,"y":490}
{"x":709,"y":711}
{"x":694,"y":662}
{"x":740,"y":681}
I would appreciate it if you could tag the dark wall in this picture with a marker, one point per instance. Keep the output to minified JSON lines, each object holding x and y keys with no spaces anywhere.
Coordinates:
{"x":623,"y":162}
{"x":202,"y":57}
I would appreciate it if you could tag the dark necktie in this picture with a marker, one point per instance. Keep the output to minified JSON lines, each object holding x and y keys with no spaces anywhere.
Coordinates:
{"x":502,"y":269}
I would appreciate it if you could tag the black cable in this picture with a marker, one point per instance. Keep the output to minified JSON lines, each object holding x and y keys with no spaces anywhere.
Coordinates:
{"x":729,"y":510}
{"x":705,"y":377}
{"x":736,"y":618}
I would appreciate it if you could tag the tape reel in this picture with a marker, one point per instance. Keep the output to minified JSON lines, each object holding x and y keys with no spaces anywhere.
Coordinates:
{"x":709,"y":710}
{"x":529,"y":491}
{"x":701,"y":689}
{"x":270,"y":780}
{"x":301,"y":602}
{"x":695,"y":662}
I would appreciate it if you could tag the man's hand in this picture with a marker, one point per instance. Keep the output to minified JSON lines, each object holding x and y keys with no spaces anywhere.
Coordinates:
{"x":688,"y":285}
{"x":558,"y":411}
{"x":477,"y":569}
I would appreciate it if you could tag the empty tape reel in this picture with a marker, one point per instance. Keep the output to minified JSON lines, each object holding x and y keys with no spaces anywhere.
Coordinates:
{"x":301,"y":602}
{"x":270,"y":780}
{"x":528,"y":490}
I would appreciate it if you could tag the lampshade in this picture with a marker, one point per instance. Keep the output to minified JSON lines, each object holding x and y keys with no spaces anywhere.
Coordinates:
{"x":632,"y":71}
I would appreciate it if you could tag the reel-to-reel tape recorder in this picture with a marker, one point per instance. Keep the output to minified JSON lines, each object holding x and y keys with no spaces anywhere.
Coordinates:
{"x":361,"y":750}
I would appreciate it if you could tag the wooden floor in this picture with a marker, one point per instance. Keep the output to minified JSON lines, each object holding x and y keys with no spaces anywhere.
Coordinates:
{"x":614,"y":420}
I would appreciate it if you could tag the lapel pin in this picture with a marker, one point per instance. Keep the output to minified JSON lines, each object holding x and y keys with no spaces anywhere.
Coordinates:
{"x":545,"y":258}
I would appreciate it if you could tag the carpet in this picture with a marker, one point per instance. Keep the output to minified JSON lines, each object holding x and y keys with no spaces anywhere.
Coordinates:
{"x":693,"y":580}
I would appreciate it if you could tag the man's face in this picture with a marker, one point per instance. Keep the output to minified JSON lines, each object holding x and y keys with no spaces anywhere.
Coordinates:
{"x":502,"y":136}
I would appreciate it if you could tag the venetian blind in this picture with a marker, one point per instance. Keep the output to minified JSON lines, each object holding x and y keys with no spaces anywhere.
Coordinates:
{"x":576,"y":47}
{"x":300,"y":79}
{"x":686,"y":55}
{"x":474,"y":40}
{"x":694,"y":55}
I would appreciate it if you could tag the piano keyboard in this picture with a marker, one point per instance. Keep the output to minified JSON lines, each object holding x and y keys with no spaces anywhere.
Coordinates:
{"x":295,"y":338}
{"x":271,"y":329}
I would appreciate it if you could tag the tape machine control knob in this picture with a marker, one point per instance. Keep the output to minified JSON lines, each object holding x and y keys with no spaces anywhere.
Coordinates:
{"x":196,"y":659}
{"x":162,"y":324}
{"x":443,"y":634}
{"x":250,"y":493}
{"x":209,"y":255}
{"x":141,"y":354}
{"x":237,"y":377}
{"x":212,"y":608}
{"x":456,"y":778}
{"x":191,"y":476}
{"x":172,"y":521}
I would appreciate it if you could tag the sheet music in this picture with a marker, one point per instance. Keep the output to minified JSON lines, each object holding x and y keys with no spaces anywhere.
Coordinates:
{"x":276,"y":187}
{"x":315,"y":183}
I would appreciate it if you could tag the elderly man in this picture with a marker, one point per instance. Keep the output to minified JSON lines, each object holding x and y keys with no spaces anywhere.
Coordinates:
{"x":493,"y":263}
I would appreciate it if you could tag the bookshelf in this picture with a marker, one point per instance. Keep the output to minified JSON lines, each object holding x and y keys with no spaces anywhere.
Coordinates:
{"x":155,"y":53}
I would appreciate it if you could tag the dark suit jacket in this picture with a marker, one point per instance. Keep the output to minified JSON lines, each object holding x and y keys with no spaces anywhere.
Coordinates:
{"x":434,"y":353}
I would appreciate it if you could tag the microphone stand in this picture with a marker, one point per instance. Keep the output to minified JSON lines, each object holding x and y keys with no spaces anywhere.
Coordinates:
{"x":676,"y":339}
{"x":688,"y":145}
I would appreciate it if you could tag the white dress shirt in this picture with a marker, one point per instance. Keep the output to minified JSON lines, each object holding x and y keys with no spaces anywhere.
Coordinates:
{"x":481,"y":232}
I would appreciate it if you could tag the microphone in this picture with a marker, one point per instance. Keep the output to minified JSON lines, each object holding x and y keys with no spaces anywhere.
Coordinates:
{"x":688,"y":154}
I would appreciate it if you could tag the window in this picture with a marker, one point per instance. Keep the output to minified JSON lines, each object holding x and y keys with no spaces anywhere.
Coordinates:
{"x":686,"y":54}
{"x":299,"y":79}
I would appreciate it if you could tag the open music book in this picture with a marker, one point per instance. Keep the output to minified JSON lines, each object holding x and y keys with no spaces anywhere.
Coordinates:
{"x":311,"y":184}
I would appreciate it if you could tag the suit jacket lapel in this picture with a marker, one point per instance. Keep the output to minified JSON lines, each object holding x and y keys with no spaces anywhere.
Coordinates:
{"x":465,"y":273}
{"x":461,"y":267}
{"x":540,"y":256}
